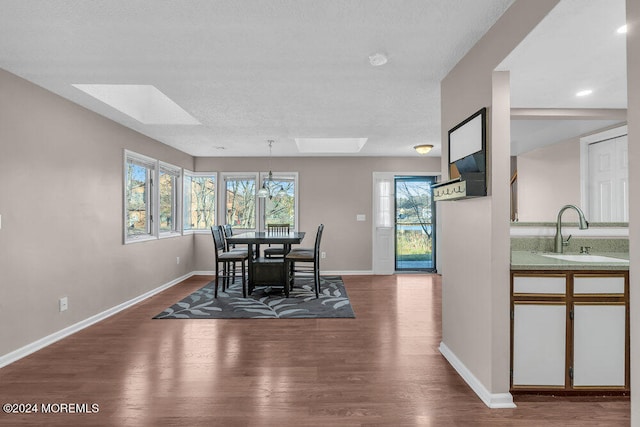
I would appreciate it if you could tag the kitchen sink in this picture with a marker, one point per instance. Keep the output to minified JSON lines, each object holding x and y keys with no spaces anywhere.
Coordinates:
{"x":585,"y":258}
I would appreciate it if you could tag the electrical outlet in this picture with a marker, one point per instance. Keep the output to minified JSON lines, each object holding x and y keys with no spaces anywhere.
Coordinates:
{"x":177,"y":260}
{"x":323,"y":254}
{"x":63,"y":303}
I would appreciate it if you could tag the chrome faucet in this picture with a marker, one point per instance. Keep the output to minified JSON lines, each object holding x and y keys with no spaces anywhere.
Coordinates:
{"x":560,"y":243}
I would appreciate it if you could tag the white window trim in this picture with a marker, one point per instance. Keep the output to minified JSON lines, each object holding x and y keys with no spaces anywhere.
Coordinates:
{"x":222,"y":189}
{"x":153,"y":198}
{"x":177,"y":220}
{"x":261,"y":204}
{"x":216,"y":217}
{"x":147,"y":162}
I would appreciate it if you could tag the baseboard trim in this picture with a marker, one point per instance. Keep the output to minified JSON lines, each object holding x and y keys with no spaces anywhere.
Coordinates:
{"x":492,"y":400}
{"x":203,"y":273}
{"x":347,"y":273}
{"x":63,"y":333}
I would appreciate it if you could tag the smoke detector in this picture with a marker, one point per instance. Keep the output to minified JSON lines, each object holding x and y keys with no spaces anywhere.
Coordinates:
{"x":378,"y":59}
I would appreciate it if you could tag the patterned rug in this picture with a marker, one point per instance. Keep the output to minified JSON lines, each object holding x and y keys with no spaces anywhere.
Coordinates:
{"x":265,"y":302}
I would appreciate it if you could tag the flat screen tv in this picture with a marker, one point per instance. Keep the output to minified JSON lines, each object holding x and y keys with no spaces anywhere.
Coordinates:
{"x":467,"y":142}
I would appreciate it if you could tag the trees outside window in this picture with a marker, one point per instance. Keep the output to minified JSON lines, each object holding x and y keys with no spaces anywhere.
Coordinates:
{"x":151,"y":195}
{"x":138,"y":201}
{"x":168,"y":204}
{"x":199,"y":204}
{"x":280,"y":208}
{"x":240,"y":201}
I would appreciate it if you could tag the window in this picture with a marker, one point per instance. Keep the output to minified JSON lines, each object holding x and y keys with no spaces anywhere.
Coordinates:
{"x":139,"y":171}
{"x":144,"y":201}
{"x":281,"y":207}
{"x":199,"y":211}
{"x":240,"y":200}
{"x":168,"y":187}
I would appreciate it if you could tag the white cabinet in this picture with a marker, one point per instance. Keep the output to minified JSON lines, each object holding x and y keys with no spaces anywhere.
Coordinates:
{"x":539,"y":344}
{"x":599,"y":345}
{"x":569,"y":331}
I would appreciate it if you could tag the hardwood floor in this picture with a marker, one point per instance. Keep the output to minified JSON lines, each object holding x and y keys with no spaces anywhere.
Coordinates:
{"x":381,"y":369}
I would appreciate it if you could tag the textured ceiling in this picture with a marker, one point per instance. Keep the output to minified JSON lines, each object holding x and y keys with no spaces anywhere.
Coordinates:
{"x":253,"y":70}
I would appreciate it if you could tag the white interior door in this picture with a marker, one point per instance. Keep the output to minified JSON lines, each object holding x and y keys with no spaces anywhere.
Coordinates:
{"x":608,"y":180}
{"x":383,"y":224}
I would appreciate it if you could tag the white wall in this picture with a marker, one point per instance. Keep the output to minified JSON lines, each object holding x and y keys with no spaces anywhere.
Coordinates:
{"x":633,"y":122}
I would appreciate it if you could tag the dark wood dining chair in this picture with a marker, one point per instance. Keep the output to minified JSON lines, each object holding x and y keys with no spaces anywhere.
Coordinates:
{"x":272,"y":251}
{"x":298,"y":260}
{"x":225,"y":262}
{"x":227,"y":231}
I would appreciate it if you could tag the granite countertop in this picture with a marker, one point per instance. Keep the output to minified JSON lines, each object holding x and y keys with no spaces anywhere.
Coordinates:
{"x":533,"y":260}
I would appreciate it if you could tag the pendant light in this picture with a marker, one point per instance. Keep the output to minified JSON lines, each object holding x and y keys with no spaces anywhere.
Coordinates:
{"x":266,"y":185}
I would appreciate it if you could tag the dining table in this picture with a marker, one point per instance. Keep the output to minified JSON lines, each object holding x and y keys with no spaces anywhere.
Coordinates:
{"x":262,"y":270}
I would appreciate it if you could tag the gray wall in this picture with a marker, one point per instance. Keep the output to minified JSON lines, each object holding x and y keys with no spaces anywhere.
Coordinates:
{"x":332,"y":191}
{"x":61,"y":179}
{"x":548,"y":179}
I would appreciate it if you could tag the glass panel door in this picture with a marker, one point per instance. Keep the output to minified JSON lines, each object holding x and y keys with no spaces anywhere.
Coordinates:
{"x":414,"y":223}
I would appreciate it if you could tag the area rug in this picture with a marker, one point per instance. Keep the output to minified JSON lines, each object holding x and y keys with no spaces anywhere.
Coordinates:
{"x":265,"y":302}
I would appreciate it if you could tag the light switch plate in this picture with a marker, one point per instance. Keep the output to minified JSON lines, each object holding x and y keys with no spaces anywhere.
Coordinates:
{"x":361,"y":217}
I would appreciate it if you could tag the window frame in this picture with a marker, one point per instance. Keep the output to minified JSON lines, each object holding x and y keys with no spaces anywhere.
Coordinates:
{"x":176,"y":226}
{"x":261,"y":206}
{"x":152,"y":210}
{"x":149,"y":163}
{"x":223,"y":200}
{"x":191,"y":174}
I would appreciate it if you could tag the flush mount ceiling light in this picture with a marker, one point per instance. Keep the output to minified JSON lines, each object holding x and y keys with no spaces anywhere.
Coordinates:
{"x":423,"y":148}
{"x":378,"y":59}
{"x":622,"y":30}
{"x":584,"y":92}
{"x":145,"y":103}
{"x":330,"y":145}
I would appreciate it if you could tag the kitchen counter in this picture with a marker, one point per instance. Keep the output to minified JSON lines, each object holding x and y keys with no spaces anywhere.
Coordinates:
{"x":531,"y":260}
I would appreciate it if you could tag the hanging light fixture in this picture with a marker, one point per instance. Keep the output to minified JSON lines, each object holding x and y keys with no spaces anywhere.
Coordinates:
{"x":267,"y":184}
{"x":423,"y":148}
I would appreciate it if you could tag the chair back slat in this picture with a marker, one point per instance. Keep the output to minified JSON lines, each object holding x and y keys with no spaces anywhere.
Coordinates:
{"x":278,"y":228}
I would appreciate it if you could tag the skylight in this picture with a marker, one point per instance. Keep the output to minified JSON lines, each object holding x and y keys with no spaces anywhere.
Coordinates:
{"x":330,"y":145}
{"x":145,"y":103}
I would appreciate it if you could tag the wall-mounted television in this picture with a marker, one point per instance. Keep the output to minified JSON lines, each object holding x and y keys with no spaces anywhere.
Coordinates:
{"x":467,"y":144}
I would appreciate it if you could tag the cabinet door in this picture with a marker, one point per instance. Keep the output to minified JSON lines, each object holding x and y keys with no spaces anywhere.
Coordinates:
{"x":599,"y":345}
{"x":539,"y":343}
